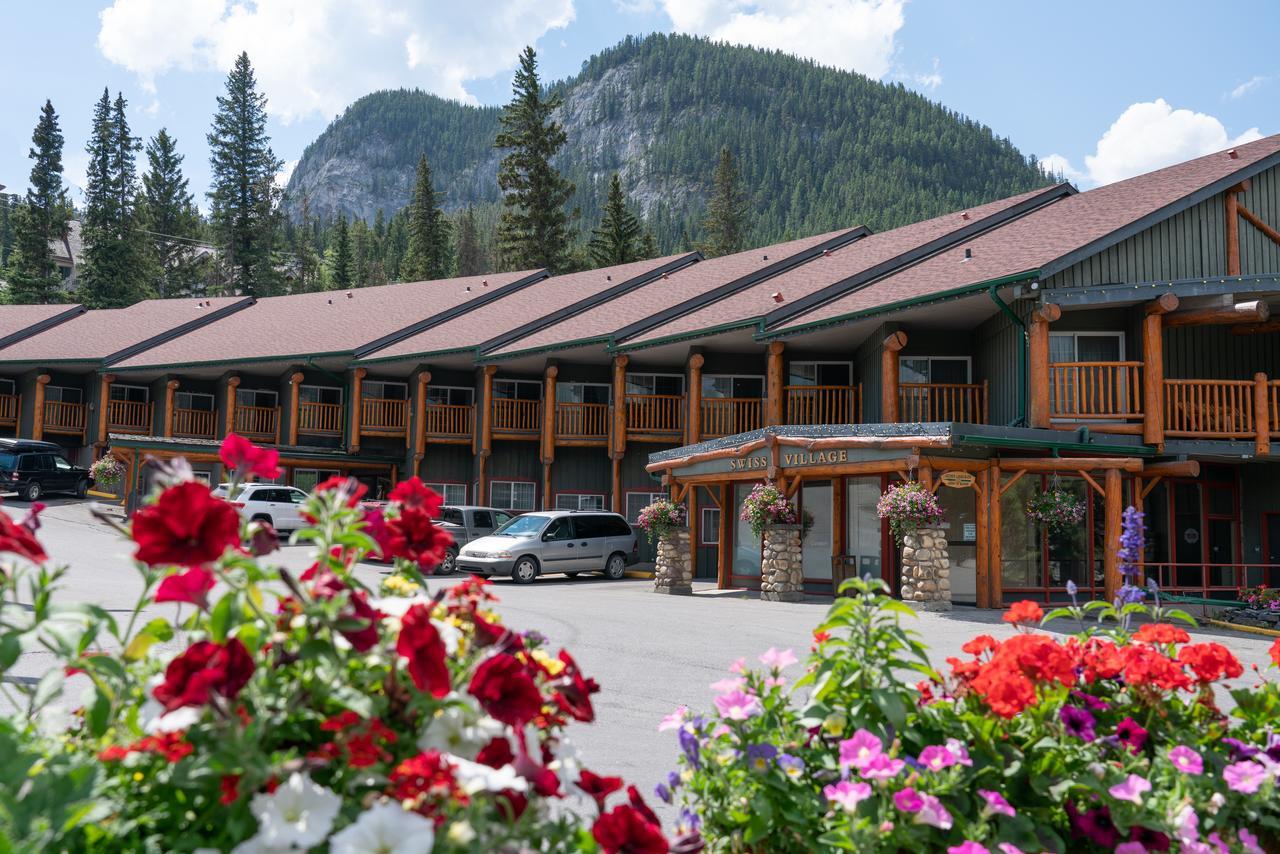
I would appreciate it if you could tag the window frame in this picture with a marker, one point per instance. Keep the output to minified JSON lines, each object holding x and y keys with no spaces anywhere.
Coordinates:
{"x":322,"y":388}
{"x":1075,"y":337}
{"x":515,"y":384}
{"x":651,"y":497}
{"x":655,"y":375}
{"x":968,"y":366}
{"x":275,"y":397}
{"x":533,"y":495}
{"x":191,"y":395}
{"x":61,"y":398}
{"x":443,"y":490}
{"x":111,"y":392}
{"x":580,"y":496}
{"x":383,"y":386}
{"x":713,"y":527}
{"x":764,"y":385}
{"x":293,"y":475}
{"x":471,"y":394}
{"x":12,"y":383}
{"x":819,"y":363}
{"x":608,"y":391}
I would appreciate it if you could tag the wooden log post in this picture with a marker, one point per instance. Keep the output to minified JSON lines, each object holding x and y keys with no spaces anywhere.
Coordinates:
{"x":983,"y":521}
{"x":1153,"y":368}
{"x":889,"y":373}
{"x":995,"y":545}
{"x":104,"y":399}
{"x":170,"y":389}
{"x":724,"y":552}
{"x":1261,"y":416}
{"x":548,"y":431}
{"x":1038,"y":347}
{"x":295,"y":384}
{"x":232,"y":384}
{"x":485,"y":414}
{"x":1233,"y":232}
{"x":619,"y":444}
{"x":420,"y":423}
{"x":1112,"y":515}
{"x":37,"y":416}
{"x":357,"y":408}
{"x":693,"y":421}
{"x":775,"y":383}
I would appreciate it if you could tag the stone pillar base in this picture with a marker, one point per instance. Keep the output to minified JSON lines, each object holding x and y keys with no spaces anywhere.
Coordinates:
{"x":673,"y":569}
{"x":926,"y":570}
{"x":781,"y":570}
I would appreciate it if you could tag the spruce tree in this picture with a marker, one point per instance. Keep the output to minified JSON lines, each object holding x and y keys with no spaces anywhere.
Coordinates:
{"x":649,"y":246}
{"x":534,"y":230}
{"x":42,"y":217}
{"x":6,"y":230}
{"x":725,"y":225}
{"x":172,"y":221}
{"x":244,"y":199}
{"x":470,"y":255}
{"x":617,"y":240}
{"x":429,"y":255}
{"x":304,"y":249}
{"x":341,"y":261}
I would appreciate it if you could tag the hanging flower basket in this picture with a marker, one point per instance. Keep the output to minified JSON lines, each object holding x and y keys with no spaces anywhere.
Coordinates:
{"x":1055,"y":508}
{"x":908,"y":507}
{"x":766,"y":505}
{"x":107,"y":472}
{"x":661,"y":518}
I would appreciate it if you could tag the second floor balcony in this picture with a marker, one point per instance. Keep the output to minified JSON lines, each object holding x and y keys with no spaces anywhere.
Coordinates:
{"x":924,"y":402}
{"x":63,"y":417}
{"x":188,"y":423}
{"x":10,"y":409}
{"x":587,"y":422}
{"x":513,"y":415}
{"x":260,"y":423}
{"x":384,"y":417}
{"x":659,"y":415}
{"x":725,"y":416}
{"x":823,"y":404}
{"x":449,"y":422}
{"x":321,"y":419}
{"x":129,"y":416}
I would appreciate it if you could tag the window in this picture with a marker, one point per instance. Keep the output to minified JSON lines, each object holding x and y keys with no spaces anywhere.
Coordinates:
{"x":61,"y":465}
{"x":940,"y":370}
{"x":8,"y":386}
{"x":1086,"y":346}
{"x":582,"y":393}
{"x":592,"y":525}
{"x":709,"y":533}
{"x":446,"y":395}
{"x":453,"y":493}
{"x":262,"y":397}
{"x":319,"y":394}
{"x":62,"y":394}
{"x":820,"y":373}
{"x":579,"y":502}
{"x":202,"y":476}
{"x":637,"y":501}
{"x":511,"y":495}
{"x":297,"y":496}
{"x":193,"y":400}
{"x":724,"y":385}
{"x":130,"y":393}
{"x":559,"y":529}
{"x":667,"y":384}
{"x":517,"y":390}
{"x":306,"y":479}
{"x":383,"y":390}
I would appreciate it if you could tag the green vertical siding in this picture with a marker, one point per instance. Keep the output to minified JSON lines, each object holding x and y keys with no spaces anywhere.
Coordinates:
{"x":998,"y":350}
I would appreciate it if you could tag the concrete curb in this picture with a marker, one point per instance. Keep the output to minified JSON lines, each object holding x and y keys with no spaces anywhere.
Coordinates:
{"x":1253,"y":630}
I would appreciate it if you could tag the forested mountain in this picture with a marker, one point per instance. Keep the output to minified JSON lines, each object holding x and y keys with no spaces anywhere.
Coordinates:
{"x":817,"y":148}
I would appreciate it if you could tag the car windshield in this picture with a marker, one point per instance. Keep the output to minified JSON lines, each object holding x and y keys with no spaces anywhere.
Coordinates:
{"x":522,"y":526}
{"x":451,"y":515}
{"x":8,"y":461}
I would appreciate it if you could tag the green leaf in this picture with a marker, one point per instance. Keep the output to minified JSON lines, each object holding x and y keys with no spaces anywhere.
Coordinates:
{"x":10,"y":649}
{"x":49,"y":687}
{"x":220,"y":618}
{"x":99,"y":713}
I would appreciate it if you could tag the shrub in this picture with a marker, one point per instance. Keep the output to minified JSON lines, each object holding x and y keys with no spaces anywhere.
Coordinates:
{"x":908,"y":507}
{"x":766,"y":505}
{"x":1056,"y":509}
{"x":279,"y":713}
{"x":107,"y":472}
{"x":662,"y":517}
{"x":1098,"y":741}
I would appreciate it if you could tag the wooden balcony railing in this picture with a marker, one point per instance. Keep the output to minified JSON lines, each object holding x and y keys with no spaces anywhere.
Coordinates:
{"x":258,"y":422}
{"x":194,"y":423}
{"x":517,"y":416}
{"x":10,"y":406}
{"x":1209,"y":409}
{"x":582,"y":420}
{"x":824,"y":404}
{"x":128,"y":416}
{"x":383,"y":416}
{"x":725,"y":416}
{"x":965,"y":402}
{"x":447,"y":420}
{"x":655,"y":413}
{"x":1273,"y":408}
{"x":321,"y":419}
{"x":1108,"y":391}
{"x":62,"y":417}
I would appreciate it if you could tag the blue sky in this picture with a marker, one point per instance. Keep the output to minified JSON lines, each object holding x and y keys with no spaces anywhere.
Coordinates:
{"x":1109,"y":89}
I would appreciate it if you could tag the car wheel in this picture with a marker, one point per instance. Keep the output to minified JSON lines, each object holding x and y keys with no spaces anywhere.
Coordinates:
{"x":263,"y":517}
{"x":82,"y":488}
{"x":525,"y":570}
{"x":571,"y":575}
{"x":32,"y":492}
{"x":615,"y":568}
{"x":450,"y":562}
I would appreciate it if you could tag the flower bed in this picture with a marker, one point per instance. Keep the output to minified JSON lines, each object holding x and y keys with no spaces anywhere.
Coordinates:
{"x":297,"y":713}
{"x":766,"y":505}
{"x":661,"y":518}
{"x":1104,"y":740}
{"x":908,"y":507}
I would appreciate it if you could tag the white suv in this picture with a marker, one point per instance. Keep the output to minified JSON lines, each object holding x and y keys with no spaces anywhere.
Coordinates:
{"x":279,"y":506}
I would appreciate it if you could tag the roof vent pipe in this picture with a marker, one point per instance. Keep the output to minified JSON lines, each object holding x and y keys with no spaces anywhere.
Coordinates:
{"x":777,"y":296}
{"x":1233,"y":154}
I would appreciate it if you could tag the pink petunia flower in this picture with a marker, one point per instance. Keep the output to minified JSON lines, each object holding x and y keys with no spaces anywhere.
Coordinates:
{"x":1009,"y":848}
{"x":728,"y":685}
{"x":996,"y":804}
{"x":1249,"y":842}
{"x":1132,"y":789}
{"x":739,"y":666}
{"x":933,"y":814}
{"x":1131,"y":848}
{"x":960,"y":752}
{"x":1186,"y":760}
{"x":969,"y":847}
{"x":775,"y":660}
{"x":882,"y":767}
{"x":908,"y":800}
{"x":674,"y":720}
{"x":1245,"y":777}
{"x":737,"y":705}
{"x":847,"y":795}
{"x":935,"y":757}
{"x":857,"y":751}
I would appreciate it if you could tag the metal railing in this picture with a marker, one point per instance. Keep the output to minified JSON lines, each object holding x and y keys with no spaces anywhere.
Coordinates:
{"x":384,"y":415}
{"x":1110,"y":391}
{"x":1211,"y":409}
{"x":725,"y":416}
{"x":323,"y":419}
{"x":257,"y":422}
{"x":517,"y":416}
{"x":655,"y":413}
{"x":62,"y":417}
{"x":824,"y":404}
{"x":965,"y":402}
{"x":128,"y":416}
{"x":582,"y":420}
{"x":193,"y":423}
{"x":450,"y":420}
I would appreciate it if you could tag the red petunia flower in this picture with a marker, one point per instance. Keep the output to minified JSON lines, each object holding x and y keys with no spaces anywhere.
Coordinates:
{"x":574,"y":692}
{"x":624,"y":830}
{"x":1275,"y":653}
{"x":505,"y":690}
{"x":19,"y":540}
{"x":413,"y":494}
{"x":633,"y":795}
{"x":204,"y":669}
{"x":980,"y":644}
{"x":497,"y":753}
{"x":426,"y":782}
{"x":1025,"y":611}
{"x":358,"y":608}
{"x":248,"y":459}
{"x":230,"y":787}
{"x":598,"y":788}
{"x":1132,"y":734}
{"x":1161,"y":633}
{"x":187,"y":526}
{"x":415,"y":537}
{"x":421,"y":644}
{"x":1210,"y":661}
{"x":349,"y":488}
{"x":375,"y":525}
{"x":192,"y":586}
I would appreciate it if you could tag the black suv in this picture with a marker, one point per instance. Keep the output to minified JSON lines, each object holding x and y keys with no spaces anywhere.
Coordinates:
{"x":32,"y":468}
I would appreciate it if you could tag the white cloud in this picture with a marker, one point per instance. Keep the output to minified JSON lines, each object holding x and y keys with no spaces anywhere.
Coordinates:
{"x":1150,"y":135}
{"x":314,"y":57}
{"x":286,"y":171}
{"x":930,"y":80}
{"x":856,"y":35}
{"x":1057,"y":164}
{"x":1247,"y":86}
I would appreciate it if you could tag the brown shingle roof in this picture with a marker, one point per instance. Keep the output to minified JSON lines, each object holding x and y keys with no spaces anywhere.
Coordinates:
{"x":15,"y":320}
{"x":515,"y":310}
{"x":324,"y":322}
{"x":650,"y":299}
{"x":1055,"y":234}
{"x":755,"y":302}
{"x":95,"y":335}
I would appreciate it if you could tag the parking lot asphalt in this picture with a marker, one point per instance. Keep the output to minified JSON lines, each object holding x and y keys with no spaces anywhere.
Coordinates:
{"x":650,"y":653}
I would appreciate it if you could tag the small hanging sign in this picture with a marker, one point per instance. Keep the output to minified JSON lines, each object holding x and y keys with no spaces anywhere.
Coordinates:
{"x":957,"y":479}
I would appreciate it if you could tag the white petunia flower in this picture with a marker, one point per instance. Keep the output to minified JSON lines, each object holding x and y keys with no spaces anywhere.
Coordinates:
{"x":156,"y":719}
{"x":461,"y":833}
{"x":298,"y":814}
{"x":473,"y":777}
{"x":459,"y":728}
{"x":385,"y":828}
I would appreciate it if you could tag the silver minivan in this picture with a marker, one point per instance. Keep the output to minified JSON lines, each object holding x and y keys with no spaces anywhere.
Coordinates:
{"x":553,"y":541}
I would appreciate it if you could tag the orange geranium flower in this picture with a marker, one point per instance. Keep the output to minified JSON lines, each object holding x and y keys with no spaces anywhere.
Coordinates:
{"x":1161,"y":633}
{"x":1025,"y":611}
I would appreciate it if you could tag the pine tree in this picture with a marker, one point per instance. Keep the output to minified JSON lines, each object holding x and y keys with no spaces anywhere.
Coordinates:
{"x":244,"y":198}
{"x":617,"y":240}
{"x":726,"y":221}
{"x":341,"y":261}
{"x":429,"y":256}
{"x":6,"y":229}
{"x":649,"y":246}
{"x":534,"y":230}
{"x":172,"y":221}
{"x":304,"y":250}
{"x":33,"y":276}
{"x":470,"y":256}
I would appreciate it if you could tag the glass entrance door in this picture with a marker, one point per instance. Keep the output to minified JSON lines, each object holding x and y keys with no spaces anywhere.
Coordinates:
{"x":745,"y":564}
{"x":815,"y":549}
{"x":863,"y":529}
